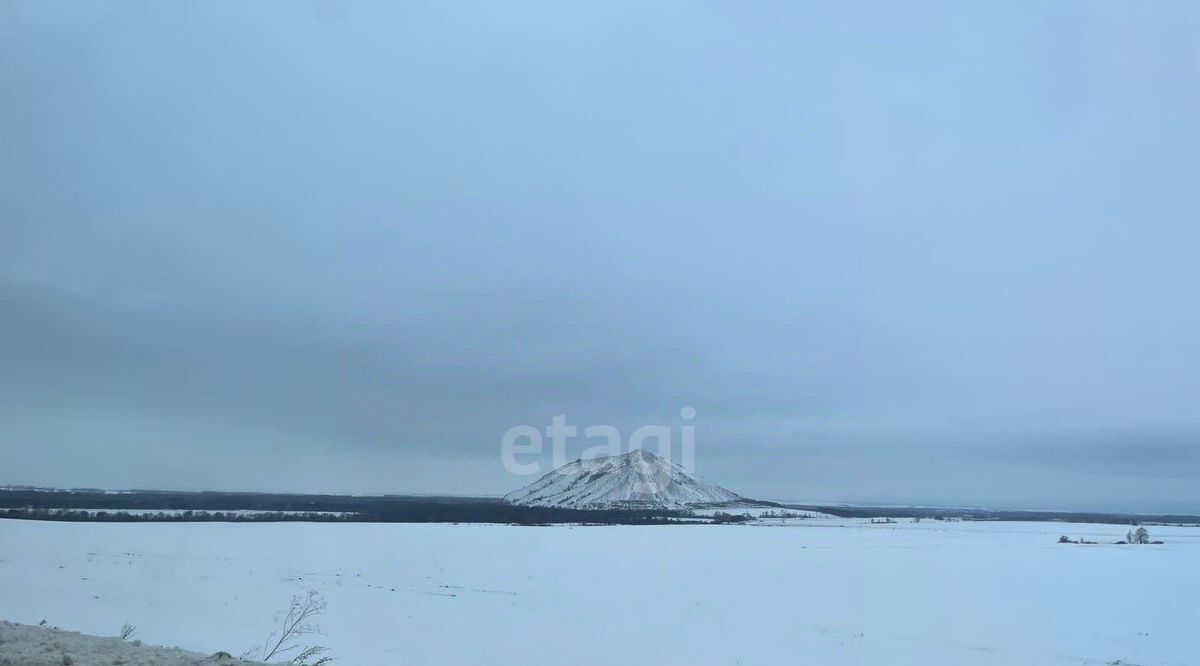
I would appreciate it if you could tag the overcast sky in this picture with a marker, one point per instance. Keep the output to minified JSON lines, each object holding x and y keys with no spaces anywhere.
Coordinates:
{"x":890,"y":252}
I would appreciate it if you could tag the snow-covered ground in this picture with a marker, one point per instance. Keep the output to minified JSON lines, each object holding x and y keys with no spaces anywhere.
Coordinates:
{"x":199,"y":512}
{"x":815,"y":591}
{"x":757,"y":511}
{"x":23,"y":645}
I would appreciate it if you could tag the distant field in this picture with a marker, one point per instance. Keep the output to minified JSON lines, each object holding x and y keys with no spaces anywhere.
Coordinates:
{"x":816,"y":591}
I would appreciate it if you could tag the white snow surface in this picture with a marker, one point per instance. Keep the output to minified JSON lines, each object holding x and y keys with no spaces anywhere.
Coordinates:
{"x":22,"y":645}
{"x":636,"y":480}
{"x":808,"y":591}
{"x":200,"y":513}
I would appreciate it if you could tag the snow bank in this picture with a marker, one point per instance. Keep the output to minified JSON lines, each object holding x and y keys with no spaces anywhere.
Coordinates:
{"x":23,"y":645}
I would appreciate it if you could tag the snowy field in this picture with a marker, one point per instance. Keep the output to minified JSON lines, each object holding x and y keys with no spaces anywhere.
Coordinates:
{"x":245,"y":513}
{"x":815,"y":591}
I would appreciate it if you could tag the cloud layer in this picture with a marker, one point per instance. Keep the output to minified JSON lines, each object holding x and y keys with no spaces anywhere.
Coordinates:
{"x":934,"y":254}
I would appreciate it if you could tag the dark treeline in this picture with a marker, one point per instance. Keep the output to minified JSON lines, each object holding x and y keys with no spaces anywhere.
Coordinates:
{"x":97,"y":506}
{"x":498,"y":512}
{"x":74,"y":515}
{"x":164,"y":500}
{"x":996,"y":514}
{"x":421,"y":509}
{"x":462,"y":514}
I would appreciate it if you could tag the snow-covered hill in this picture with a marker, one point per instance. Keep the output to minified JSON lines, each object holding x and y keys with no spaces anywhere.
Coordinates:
{"x":637,"y":480}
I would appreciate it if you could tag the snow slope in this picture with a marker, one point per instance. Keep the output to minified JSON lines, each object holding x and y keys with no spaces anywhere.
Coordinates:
{"x":816,"y":591}
{"x":22,"y":645}
{"x":636,"y":480}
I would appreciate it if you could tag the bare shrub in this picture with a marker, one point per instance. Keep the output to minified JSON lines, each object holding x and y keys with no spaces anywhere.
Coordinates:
{"x":127,"y":631}
{"x":289,"y":638}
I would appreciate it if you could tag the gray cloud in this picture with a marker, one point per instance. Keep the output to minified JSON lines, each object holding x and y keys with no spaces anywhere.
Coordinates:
{"x":931,"y":255}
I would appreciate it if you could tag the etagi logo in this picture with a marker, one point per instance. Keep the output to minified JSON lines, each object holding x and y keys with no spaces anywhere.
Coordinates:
{"x":527,"y":440}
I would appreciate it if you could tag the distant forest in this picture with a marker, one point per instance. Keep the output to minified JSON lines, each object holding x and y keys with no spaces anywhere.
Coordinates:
{"x":100,"y":506}
{"x":940,"y":513}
